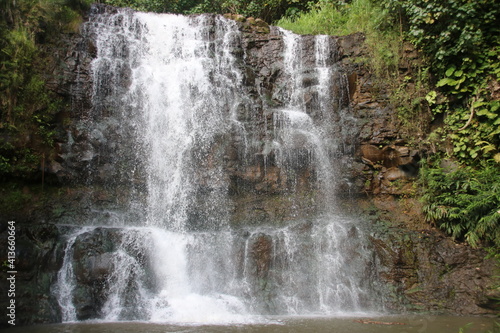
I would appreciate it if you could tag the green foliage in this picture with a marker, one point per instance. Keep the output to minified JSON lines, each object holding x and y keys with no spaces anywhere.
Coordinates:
{"x":337,"y":18}
{"x":464,"y":202}
{"x":158,"y":6}
{"x":461,"y":45}
{"x":17,"y":52}
{"x":464,"y":328}
{"x":12,"y":198}
{"x":475,"y":130}
{"x":461,"y":41}
{"x":450,"y":30}
{"x":411,"y":99}
{"x":18,"y":162}
{"x":342,"y":18}
{"x":27,"y":108}
{"x":268,"y":10}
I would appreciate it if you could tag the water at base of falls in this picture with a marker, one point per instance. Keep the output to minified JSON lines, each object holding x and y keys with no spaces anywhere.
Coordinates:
{"x":168,"y":99}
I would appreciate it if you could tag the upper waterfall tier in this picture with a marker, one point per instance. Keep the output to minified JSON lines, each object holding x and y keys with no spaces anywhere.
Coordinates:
{"x":185,"y":119}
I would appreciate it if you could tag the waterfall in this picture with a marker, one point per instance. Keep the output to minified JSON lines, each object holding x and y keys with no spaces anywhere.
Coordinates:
{"x":66,"y":278}
{"x":170,"y":104}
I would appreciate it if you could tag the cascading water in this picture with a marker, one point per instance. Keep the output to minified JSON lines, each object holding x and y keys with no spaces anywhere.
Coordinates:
{"x":171,"y":90}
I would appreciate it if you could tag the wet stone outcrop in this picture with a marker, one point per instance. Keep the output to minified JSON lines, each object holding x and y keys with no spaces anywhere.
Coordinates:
{"x":100,"y":258}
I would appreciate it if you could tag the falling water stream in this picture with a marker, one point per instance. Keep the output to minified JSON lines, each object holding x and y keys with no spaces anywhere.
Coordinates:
{"x":171,"y":90}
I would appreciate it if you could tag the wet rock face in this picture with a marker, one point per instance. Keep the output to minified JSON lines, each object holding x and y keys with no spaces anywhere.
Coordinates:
{"x":261,"y":254}
{"x":387,"y":162}
{"x":98,"y":150}
{"x":93,"y":265}
{"x":84,"y":154}
{"x":426,"y":270}
{"x":38,"y":253}
{"x":95,"y":135}
{"x":432,"y":273}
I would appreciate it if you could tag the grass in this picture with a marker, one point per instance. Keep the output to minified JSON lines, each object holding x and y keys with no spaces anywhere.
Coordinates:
{"x":340,"y":19}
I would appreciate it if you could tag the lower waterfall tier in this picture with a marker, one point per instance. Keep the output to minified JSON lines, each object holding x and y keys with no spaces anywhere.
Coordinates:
{"x":225,"y":276}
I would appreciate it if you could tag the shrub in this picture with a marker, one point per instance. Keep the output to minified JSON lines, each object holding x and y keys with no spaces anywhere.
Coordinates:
{"x":465,"y":202}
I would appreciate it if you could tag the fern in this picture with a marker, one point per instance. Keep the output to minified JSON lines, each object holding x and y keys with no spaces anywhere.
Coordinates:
{"x":464,"y":203}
